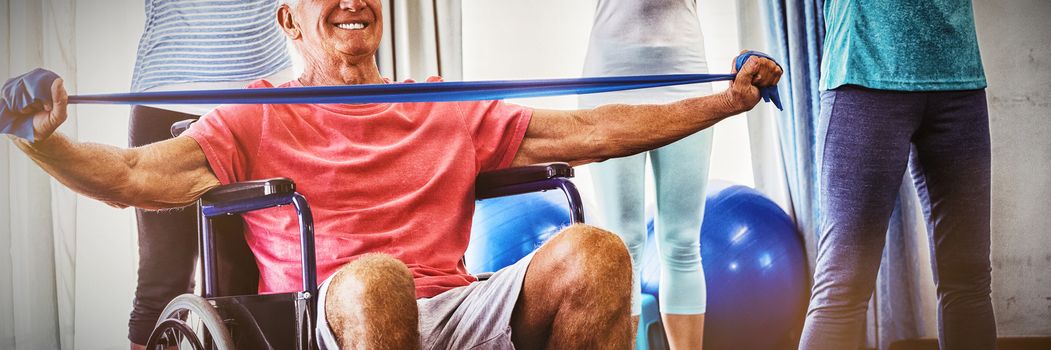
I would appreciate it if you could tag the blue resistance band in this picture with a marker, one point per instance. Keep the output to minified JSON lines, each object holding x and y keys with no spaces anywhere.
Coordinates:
{"x":32,"y":90}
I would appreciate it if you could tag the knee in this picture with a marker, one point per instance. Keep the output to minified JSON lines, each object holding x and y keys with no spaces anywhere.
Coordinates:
{"x":964,"y":279}
{"x":841,"y":291}
{"x":845,"y":272}
{"x":371,"y":282}
{"x":372,"y":300}
{"x":634,"y":242}
{"x":371,"y":274}
{"x":591,"y":256}
{"x":680,"y":245}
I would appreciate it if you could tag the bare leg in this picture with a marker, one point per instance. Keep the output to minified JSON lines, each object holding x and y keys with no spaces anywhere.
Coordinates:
{"x":685,"y":332}
{"x":576,"y":294}
{"x":372,"y":305}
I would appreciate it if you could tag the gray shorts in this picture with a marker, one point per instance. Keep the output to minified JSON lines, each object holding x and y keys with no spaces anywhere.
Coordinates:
{"x":476,"y":316}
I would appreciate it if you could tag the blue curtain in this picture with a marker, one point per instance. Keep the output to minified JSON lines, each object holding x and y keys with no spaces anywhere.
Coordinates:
{"x":903,"y":306}
{"x":795,"y":30}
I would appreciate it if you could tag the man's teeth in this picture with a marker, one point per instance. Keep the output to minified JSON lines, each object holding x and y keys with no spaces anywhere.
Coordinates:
{"x":351,"y":25}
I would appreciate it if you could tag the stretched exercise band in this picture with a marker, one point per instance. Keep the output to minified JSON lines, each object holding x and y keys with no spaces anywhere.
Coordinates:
{"x":28,"y":92}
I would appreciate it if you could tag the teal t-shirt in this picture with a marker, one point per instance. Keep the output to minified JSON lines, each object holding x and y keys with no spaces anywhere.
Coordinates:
{"x":903,"y":45}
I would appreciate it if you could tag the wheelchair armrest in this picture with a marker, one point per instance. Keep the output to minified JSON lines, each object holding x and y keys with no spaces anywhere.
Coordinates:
{"x":491,"y":180}
{"x":249,"y":190}
{"x":247,"y":196}
{"x":243,"y":197}
{"x":180,"y":126}
{"x":532,"y":178}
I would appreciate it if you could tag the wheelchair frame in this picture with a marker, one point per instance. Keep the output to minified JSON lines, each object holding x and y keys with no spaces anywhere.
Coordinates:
{"x":250,"y":317}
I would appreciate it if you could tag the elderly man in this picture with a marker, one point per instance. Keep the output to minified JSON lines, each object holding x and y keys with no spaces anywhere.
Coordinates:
{"x":391,"y":186}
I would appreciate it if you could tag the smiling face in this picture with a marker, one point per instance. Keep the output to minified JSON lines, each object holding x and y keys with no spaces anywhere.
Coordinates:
{"x":332,"y":32}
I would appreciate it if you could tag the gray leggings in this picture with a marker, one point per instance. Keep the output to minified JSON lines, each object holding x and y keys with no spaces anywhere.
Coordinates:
{"x":872,"y":137}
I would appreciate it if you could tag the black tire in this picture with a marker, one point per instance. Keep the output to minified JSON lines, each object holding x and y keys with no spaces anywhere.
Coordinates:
{"x":190,"y":320}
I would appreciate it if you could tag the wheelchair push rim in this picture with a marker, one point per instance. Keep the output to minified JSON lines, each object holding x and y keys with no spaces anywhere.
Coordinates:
{"x":190,"y":322}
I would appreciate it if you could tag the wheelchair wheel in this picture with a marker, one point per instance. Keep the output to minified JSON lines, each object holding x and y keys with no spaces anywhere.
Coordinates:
{"x":190,"y":322}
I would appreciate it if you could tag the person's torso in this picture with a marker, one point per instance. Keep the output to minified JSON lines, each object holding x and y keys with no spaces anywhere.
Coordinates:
{"x":631,"y":37}
{"x":208,"y":42}
{"x":908,"y":45}
{"x":396,"y":179}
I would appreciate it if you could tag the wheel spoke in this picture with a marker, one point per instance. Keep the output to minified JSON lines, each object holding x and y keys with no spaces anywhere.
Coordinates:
{"x":172,"y":337}
{"x":175,"y":334}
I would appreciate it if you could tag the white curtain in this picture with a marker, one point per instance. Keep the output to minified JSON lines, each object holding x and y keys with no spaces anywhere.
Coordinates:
{"x":768,"y":165}
{"x":37,"y":215}
{"x":422,"y":38}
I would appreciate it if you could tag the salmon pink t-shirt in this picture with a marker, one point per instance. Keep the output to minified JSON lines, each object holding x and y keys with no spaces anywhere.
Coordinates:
{"x":392,"y":178}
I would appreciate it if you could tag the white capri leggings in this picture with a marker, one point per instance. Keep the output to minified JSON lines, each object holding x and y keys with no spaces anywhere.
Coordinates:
{"x":681,"y":174}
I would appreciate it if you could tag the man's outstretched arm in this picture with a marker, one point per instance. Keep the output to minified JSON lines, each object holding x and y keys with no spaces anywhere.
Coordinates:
{"x":168,"y":174}
{"x":611,"y":131}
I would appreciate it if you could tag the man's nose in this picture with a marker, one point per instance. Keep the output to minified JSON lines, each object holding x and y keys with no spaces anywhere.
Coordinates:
{"x":353,"y":5}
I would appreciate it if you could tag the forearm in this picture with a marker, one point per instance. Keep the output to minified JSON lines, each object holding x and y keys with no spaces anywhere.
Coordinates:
{"x":623,"y":130}
{"x":97,"y":171}
{"x":612,"y":131}
{"x":106,"y":173}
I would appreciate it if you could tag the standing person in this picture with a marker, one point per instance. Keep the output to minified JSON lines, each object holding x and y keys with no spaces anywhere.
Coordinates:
{"x":656,"y":37}
{"x":903,"y":85}
{"x":191,"y":45}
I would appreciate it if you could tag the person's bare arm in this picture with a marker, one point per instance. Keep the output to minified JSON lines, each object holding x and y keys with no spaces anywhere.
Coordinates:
{"x":610,"y":131}
{"x":168,"y":174}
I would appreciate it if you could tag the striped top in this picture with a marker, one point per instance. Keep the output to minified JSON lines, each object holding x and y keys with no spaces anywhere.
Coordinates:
{"x":188,"y":41}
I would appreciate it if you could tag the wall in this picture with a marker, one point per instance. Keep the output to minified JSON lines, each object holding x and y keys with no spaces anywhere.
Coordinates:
{"x":1015,"y":39}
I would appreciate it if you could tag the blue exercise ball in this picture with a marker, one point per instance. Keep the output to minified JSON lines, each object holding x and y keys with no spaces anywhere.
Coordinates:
{"x":755,"y":270}
{"x":507,"y":229}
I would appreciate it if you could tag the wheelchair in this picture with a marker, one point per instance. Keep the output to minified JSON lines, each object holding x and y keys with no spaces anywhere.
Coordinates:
{"x":227,"y":318}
